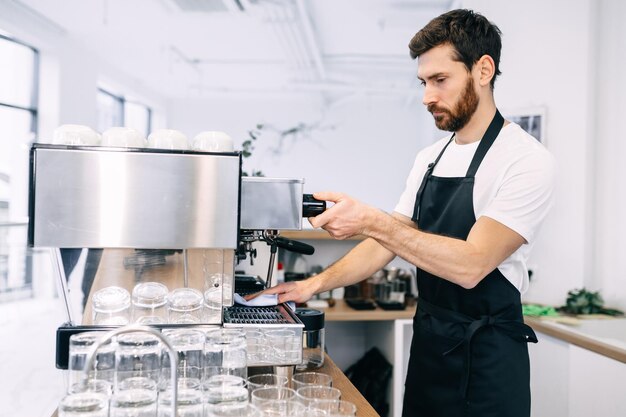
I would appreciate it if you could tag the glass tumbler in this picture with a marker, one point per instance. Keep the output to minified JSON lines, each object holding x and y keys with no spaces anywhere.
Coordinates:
{"x":185,"y":306}
{"x":258,"y":349}
{"x":304,"y":379}
{"x":134,"y":403}
{"x":189,"y":345}
{"x":104,"y":365}
{"x":84,"y":404}
{"x":225,"y":353}
{"x":111,"y":306}
{"x":150,"y":303}
{"x":286,"y":345}
{"x":138,"y":355}
{"x":266,"y":380}
{"x":335,"y":408}
{"x":225,"y":391}
{"x":310,"y":394}
{"x":247,"y":410}
{"x":189,"y":403}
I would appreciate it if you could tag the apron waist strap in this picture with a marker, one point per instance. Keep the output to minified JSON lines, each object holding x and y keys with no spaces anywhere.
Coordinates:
{"x":503,"y":321}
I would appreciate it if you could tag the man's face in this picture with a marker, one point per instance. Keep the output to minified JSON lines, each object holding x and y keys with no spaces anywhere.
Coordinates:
{"x":449,"y":91}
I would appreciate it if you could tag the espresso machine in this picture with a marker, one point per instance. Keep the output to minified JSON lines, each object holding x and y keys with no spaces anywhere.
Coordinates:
{"x":174,"y":219}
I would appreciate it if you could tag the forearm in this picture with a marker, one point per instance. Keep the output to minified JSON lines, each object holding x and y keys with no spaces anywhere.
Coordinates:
{"x":455,"y":260}
{"x":361,"y":262}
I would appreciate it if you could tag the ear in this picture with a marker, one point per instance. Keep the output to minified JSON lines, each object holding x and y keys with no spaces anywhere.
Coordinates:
{"x":486,"y":68}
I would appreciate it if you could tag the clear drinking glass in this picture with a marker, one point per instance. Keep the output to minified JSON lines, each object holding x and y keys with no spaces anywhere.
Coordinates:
{"x":335,"y":408}
{"x":189,"y":403}
{"x":225,"y":391}
{"x":247,"y":410}
{"x":150,"y":303}
{"x":138,"y":382}
{"x":266,"y":380}
{"x":257,"y":347}
{"x":225,"y":353}
{"x":304,"y":379}
{"x":134,"y":403}
{"x":111,"y":306}
{"x":309,"y":394}
{"x":80,"y":347}
{"x":285,"y":344}
{"x":99,"y":386}
{"x":263,"y":396}
{"x":185,"y":306}
{"x":138,"y":355}
{"x":84,"y":404}
{"x":189,"y":344}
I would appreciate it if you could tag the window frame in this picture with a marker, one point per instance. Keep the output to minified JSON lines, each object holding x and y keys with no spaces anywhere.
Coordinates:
{"x":123,"y":100}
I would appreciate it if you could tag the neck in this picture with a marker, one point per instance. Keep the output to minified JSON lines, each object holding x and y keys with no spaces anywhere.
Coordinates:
{"x":477,"y":126}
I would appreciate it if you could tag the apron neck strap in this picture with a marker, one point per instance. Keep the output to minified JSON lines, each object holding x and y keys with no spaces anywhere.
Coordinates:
{"x":485,"y":143}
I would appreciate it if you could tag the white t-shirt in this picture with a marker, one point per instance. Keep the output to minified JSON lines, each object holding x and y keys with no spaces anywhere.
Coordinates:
{"x":513,"y":186}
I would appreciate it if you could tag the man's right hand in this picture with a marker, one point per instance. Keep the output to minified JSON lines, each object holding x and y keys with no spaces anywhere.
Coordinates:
{"x":298,"y":291}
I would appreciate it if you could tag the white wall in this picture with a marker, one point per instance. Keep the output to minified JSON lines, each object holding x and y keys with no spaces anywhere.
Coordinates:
{"x":610,"y":147}
{"x":546,"y":63}
{"x":365,"y":146}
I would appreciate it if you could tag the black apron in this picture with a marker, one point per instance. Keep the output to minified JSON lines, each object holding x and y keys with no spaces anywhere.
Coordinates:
{"x":469,"y":354}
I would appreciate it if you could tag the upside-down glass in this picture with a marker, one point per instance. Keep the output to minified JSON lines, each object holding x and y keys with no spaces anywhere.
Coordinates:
{"x":80,"y":347}
{"x":225,"y":353}
{"x":189,"y":344}
{"x":138,"y":355}
{"x":185,"y":306}
{"x":134,"y":403}
{"x":189,"y":403}
{"x":84,"y":404}
{"x":247,"y":410}
{"x":225,"y":391}
{"x":150,"y":303}
{"x":111,"y":306}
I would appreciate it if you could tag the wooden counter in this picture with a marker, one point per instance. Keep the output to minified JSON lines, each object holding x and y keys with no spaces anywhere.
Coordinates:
{"x":343,"y":312}
{"x":549,"y":327}
{"x":348,"y":391}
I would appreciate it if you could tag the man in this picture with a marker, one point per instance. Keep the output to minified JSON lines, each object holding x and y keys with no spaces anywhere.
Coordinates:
{"x":467,"y":218}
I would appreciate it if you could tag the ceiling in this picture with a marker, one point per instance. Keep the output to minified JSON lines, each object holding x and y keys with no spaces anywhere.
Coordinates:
{"x":193,"y":48}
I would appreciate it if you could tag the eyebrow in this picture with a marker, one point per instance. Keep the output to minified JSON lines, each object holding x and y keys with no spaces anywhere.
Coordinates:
{"x":433,"y":76}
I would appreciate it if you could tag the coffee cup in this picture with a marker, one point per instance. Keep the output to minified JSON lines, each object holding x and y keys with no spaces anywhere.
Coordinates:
{"x":212,"y":141}
{"x":167,"y":139}
{"x":75,"y":135}
{"x":123,"y":137}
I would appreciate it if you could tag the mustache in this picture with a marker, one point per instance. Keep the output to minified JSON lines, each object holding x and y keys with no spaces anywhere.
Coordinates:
{"x":433,"y":108}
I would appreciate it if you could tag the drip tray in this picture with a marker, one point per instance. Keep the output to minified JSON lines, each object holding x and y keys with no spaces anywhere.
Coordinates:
{"x":273,"y":334}
{"x":242,"y":316}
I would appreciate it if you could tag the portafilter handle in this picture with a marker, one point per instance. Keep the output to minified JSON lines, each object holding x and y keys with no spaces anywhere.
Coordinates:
{"x":311,"y":206}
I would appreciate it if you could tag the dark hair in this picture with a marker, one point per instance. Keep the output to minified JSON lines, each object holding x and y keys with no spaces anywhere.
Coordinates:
{"x":470,"y":33}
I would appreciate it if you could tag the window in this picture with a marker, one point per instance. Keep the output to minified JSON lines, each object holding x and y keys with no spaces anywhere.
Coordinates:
{"x":115,"y":110}
{"x":19,"y":75}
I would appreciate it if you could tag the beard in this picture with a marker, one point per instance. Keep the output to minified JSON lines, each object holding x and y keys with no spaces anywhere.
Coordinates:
{"x":456,"y":119}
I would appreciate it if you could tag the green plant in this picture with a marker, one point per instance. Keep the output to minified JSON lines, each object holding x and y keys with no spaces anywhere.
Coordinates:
{"x":586,"y":302}
{"x":248,"y":146}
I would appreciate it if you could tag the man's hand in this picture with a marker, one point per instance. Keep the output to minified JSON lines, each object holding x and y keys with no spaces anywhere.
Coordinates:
{"x":346,"y":218}
{"x":298,"y":291}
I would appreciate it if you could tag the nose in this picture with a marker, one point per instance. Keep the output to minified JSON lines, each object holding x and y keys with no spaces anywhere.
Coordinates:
{"x":429,"y":96}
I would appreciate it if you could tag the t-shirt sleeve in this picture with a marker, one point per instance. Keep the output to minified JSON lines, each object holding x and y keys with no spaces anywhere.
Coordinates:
{"x":525,"y":195}
{"x":406,"y":203}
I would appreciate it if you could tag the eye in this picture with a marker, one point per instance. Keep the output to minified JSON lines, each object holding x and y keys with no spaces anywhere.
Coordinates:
{"x":440,"y":80}
{"x":423,"y":83}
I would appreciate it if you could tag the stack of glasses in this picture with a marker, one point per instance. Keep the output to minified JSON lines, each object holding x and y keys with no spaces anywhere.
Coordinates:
{"x":131,"y":375}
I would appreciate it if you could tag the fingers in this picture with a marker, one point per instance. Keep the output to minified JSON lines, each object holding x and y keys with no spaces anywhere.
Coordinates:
{"x":328,"y":196}
{"x":274,"y":290}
